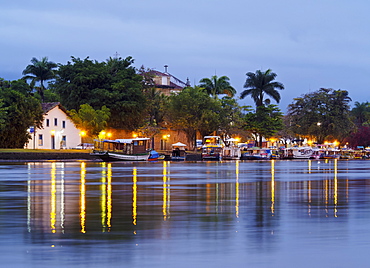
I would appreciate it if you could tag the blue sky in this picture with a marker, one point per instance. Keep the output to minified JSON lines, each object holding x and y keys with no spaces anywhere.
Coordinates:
{"x":308,"y":44}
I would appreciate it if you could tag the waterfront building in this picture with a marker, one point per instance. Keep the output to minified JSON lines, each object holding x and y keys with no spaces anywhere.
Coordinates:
{"x":57,"y":132}
{"x":167,"y":83}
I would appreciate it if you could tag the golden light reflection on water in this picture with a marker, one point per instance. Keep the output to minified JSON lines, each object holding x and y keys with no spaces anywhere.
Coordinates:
{"x":53,"y":198}
{"x":29,"y":199}
{"x":134,"y":195}
{"x":106,"y":196}
{"x":320,"y":188}
{"x":109,"y":195}
{"x":166,"y":190}
{"x":103,"y":199}
{"x":272,"y":187}
{"x":237,"y":189}
{"x":83,"y":198}
{"x":335,"y":187}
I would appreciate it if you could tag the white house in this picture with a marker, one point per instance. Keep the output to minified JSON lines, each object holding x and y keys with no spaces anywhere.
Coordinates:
{"x":58,"y":132}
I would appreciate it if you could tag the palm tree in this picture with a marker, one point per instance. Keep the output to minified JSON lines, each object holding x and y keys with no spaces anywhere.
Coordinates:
{"x":39,"y":71}
{"x":361,"y":113}
{"x":260,"y":83}
{"x":217,"y":85}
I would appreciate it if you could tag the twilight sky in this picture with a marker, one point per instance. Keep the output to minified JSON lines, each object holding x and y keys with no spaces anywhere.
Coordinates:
{"x":308,"y":44}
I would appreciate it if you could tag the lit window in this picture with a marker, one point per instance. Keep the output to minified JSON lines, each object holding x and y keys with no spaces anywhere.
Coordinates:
{"x":41,"y":142}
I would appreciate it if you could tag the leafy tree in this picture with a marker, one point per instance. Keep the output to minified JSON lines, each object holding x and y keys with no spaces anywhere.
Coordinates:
{"x":40,"y":71}
{"x":361,"y":137}
{"x":193,"y":110}
{"x":323,"y":114}
{"x":113,"y":83}
{"x":217,"y":85}
{"x":91,"y":120}
{"x":286,"y":133}
{"x":156,"y":103}
{"x":260,"y":84}
{"x":231,"y":117}
{"x":266,"y":121}
{"x":19,"y":111}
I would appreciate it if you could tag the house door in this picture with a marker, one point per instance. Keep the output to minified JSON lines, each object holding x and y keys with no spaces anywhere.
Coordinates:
{"x":52,"y":142}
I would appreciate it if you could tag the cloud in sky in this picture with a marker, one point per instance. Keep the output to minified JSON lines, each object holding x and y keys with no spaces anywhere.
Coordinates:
{"x":309,"y":44}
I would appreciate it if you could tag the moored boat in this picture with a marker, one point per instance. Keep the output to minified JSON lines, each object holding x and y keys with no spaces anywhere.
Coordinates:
{"x":231,"y":151}
{"x":212,"y":148}
{"x":256,"y":153}
{"x":298,"y":153}
{"x":331,"y":154}
{"x":178,"y":152}
{"x":123,"y":150}
{"x":153,"y":155}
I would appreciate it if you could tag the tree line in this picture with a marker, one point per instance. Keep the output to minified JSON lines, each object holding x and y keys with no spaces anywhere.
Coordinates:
{"x":114,"y":94}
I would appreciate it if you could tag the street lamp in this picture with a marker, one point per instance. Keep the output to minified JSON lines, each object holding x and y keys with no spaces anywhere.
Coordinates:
{"x":165,"y":138}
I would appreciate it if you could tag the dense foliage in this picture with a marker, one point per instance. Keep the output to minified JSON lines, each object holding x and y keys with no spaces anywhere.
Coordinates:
{"x":90,"y":120}
{"x":113,"y":83}
{"x":19,"y":111}
{"x":114,"y":94}
{"x":266,"y":121}
{"x":192,"y":111}
{"x":360,"y":138}
{"x":323,"y":114}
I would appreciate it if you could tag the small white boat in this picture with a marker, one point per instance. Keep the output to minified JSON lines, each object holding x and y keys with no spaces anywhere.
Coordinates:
{"x":178,"y":152}
{"x":231,"y":151}
{"x":298,"y":153}
{"x":123,"y":150}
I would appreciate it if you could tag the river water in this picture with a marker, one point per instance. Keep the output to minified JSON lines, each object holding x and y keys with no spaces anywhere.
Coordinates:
{"x":185,"y":214}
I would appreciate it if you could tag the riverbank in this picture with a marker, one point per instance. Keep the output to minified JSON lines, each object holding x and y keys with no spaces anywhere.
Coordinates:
{"x":45,"y":155}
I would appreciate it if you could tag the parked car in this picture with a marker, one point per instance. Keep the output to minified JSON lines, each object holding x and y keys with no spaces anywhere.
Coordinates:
{"x":85,"y":146}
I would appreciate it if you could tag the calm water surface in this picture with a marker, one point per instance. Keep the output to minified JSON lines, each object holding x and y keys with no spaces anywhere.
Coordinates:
{"x":192,"y":214}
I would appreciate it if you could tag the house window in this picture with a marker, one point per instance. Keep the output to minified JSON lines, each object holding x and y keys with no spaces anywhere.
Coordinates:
{"x":63,"y":124}
{"x":41,"y":141}
{"x":55,"y":121}
{"x":47,"y":122}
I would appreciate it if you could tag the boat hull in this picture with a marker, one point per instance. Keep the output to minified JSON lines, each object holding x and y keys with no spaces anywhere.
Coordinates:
{"x":108,"y":156}
{"x":215,"y":157}
{"x":178,"y":158}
